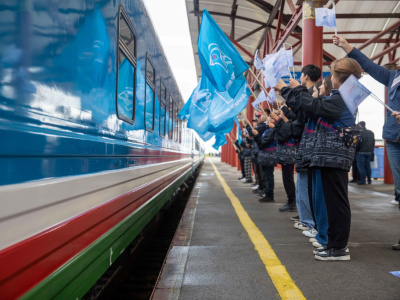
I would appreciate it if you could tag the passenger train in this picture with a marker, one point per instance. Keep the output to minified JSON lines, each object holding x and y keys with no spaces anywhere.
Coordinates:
{"x":90,"y":145}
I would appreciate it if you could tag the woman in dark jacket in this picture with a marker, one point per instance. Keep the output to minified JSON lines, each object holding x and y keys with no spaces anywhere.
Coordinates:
{"x":391,"y":128}
{"x":331,"y":156}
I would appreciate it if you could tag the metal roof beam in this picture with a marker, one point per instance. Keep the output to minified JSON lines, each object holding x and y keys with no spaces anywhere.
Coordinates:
{"x":359,"y":41}
{"x":387,"y":50}
{"x":386,"y":45}
{"x":233,"y":16}
{"x":382,"y":33}
{"x":289,"y":29}
{"x":251,"y":33}
{"x":269,"y":22}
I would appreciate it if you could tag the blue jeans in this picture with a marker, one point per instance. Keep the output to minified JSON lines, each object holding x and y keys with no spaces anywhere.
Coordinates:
{"x":319,"y":206}
{"x":302,"y":202}
{"x":269,"y":180}
{"x":393,"y":152}
{"x":364,"y":165}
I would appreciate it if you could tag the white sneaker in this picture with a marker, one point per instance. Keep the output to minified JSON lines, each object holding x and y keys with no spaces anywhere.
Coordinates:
{"x":254,"y":187}
{"x":312,"y":240}
{"x":301,"y":226}
{"x":395,"y":202}
{"x":244,"y":179}
{"x":310,"y":233}
{"x":316,"y":245}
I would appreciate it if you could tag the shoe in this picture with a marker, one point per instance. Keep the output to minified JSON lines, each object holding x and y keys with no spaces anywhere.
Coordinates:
{"x":266,"y":199}
{"x":261,"y":195}
{"x":316,"y":245}
{"x":287,"y":207}
{"x":396,"y":246}
{"x":240,"y":178}
{"x":296,"y":218}
{"x":361,"y":183}
{"x":395,"y":202}
{"x":310,"y":233}
{"x":333,"y":254}
{"x":353,"y":181}
{"x":257,"y":191}
{"x":320,"y":249}
{"x":301,"y":226}
{"x":369,"y":182}
{"x":255,"y":186}
{"x":243,"y":179}
{"x":248,"y":181}
{"x":312,"y":240}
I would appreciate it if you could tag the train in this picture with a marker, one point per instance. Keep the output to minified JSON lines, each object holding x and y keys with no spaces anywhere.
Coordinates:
{"x":91,"y":148}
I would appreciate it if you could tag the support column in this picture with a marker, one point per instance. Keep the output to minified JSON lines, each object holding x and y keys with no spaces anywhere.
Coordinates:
{"x":234,"y":137}
{"x":312,"y":35}
{"x":388,"y":177}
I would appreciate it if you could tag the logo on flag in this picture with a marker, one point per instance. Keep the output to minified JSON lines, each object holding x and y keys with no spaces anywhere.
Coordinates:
{"x":202,"y":100}
{"x":217,"y":57}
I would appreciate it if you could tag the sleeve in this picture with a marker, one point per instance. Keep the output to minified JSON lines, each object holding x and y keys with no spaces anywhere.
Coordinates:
{"x":292,"y":129}
{"x":288,"y":113}
{"x":248,"y":128}
{"x":267,"y":139}
{"x":377,"y":72}
{"x":291,"y":97}
{"x":330,"y":109}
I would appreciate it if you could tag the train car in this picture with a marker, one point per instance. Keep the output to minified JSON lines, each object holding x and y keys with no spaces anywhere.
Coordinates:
{"x":90,"y":145}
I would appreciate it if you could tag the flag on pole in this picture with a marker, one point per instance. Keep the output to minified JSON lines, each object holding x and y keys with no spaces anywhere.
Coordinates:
{"x":239,"y":133}
{"x":289,"y":57}
{"x":276,"y":66}
{"x":219,"y":59}
{"x":257,"y":62}
{"x":353,"y":93}
{"x":325,"y":17}
{"x":260,"y":98}
{"x":271,"y":96}
{"x":224,"y":107}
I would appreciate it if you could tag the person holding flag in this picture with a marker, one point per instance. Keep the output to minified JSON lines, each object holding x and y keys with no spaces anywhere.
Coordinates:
{"x":331,"y":156}
{"x":391,"y":128}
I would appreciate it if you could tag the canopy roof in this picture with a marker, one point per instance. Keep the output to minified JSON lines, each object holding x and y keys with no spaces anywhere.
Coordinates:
{"x":371,"y":26}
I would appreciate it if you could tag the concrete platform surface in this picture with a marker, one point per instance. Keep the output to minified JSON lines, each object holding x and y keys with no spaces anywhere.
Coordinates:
{"x":212,"y":256}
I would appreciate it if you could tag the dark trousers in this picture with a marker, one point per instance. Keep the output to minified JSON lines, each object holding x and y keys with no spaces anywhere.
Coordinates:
{"x":310,"y":196}
{"x":288,"y":183}
{"x":242,"y":167}
{"x":335,"y":183}
{"x":364,"y":165}
{"x":261,"y":179}
{"x":269,"y":180}
{"x":355,"y":173}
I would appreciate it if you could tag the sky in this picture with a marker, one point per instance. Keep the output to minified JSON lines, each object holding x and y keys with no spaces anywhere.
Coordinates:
{"x":174,"y":36}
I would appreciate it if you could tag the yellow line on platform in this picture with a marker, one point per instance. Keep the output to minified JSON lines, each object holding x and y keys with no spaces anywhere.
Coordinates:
{"x":281,"y":279}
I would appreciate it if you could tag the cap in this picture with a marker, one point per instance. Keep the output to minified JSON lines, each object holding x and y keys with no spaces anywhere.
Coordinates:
{"x":255,"y":120}
{"x":259,"y":114}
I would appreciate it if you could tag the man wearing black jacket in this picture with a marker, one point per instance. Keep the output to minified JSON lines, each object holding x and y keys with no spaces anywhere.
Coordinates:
{"x":364,"y":153}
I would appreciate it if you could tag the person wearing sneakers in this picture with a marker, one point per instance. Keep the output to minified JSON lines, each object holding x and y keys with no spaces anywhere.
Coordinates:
{"x":391,"y":128}
{"x":285,"y":155}
{"x":330,"y":156}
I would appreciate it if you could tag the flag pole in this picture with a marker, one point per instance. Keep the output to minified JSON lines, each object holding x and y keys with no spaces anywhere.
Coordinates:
{"x":247,"y":120}
{"x":335,"y":16}
{"x":233,"y":144}
{"x":381,"y":102}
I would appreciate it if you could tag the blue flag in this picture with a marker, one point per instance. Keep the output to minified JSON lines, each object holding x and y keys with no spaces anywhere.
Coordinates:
{"x":219,"y":59}
{"x":224,"y":107}
{"x":220,"y":140}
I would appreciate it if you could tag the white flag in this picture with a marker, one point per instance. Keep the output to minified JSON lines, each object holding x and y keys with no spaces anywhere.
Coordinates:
{"x":325,"y":17}
{"x":261,"y":98}
{"x":353,"y":93}
{"x":257,"y":62}
{"x":289,"y":56}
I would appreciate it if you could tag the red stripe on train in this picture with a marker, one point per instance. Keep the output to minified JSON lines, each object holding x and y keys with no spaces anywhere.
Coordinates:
{"x":25,"y":264}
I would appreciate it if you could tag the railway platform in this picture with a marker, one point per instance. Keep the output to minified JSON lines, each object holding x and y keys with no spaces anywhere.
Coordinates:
{"x":230,"y":246}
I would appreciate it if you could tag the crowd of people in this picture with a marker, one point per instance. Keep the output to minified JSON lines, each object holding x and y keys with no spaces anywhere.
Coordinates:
{"x":314,"y":134}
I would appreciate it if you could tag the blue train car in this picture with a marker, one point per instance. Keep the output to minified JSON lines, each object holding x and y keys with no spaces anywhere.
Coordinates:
{"x":90,"y":144}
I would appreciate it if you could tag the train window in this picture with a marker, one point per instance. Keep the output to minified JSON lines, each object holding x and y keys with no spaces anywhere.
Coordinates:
{"x":126,"y":72}
{"x":176,"y":137}
{"x":150,"y":95}
{"x":126,"y":35}
{"x":171,"y":117}
{"x":163,"y":108}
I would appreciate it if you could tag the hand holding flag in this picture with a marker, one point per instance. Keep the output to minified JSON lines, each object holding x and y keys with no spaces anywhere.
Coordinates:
{"x":326,"y":17}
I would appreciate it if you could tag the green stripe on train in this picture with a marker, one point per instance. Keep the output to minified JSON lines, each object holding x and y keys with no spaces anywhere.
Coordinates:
{"x":77,"y":276}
